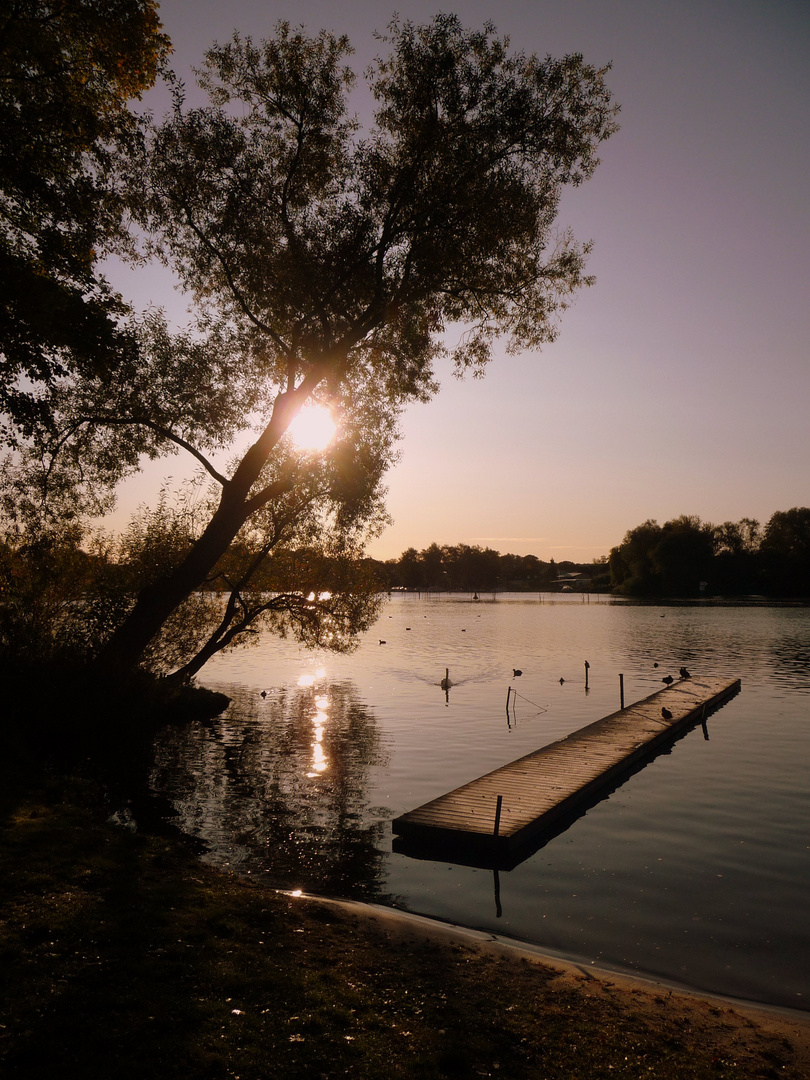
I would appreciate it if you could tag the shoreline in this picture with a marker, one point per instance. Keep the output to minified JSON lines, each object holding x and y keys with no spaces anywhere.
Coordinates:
{"x":502,"y":945}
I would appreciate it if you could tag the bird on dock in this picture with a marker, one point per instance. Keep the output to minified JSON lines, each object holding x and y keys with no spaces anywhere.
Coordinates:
{"x":515,"y":672}
{"x":667,"y":679}
{"x":684,"y":674}
{"x":667,"y":715}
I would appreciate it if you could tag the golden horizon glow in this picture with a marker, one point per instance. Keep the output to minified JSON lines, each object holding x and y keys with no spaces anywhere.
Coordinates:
{"x":314,"y":428}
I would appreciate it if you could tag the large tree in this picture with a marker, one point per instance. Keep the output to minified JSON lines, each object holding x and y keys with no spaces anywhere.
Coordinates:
{"x":335,"y":265}
{"x":664,"y":560}
{"x":737,"y":564}
{"x":785,"y":551}
{"x":68,"y":69}
{"x":633,"y":568}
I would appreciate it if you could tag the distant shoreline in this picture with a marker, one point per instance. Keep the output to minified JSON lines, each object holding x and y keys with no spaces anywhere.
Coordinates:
{"x":652,"y":601}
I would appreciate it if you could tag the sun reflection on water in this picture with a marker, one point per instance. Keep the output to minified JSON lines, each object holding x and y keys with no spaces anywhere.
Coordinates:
{"x":320,"y":762}
{"x":311,"y":677}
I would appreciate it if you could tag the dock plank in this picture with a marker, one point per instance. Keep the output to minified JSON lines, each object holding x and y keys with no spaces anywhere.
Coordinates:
{"x":542,"y":786}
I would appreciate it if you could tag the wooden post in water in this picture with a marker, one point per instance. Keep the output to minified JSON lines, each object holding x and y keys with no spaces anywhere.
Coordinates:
{"x":587,"y":666}
{"x":498,"y":806}
{"x":508,"y":695}
{"x":621,"y":690}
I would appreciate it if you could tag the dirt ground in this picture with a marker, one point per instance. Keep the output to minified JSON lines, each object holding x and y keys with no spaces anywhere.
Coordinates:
{"x":123,"y":955}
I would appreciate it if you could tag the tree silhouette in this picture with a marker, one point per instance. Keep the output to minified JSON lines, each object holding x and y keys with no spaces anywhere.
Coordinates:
{"x":333,"y":265}
{"x":67,"y":72}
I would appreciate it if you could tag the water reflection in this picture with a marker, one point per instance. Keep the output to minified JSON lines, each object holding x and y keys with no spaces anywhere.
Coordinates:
{"x":278,"y":785}
{"x":696,"y":870}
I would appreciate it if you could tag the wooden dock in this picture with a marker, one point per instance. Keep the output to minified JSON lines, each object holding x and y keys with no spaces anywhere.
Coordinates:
{"x":507,"y":809}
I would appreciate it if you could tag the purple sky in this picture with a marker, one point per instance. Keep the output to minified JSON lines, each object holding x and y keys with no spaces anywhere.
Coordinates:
{"x":680,"y":382}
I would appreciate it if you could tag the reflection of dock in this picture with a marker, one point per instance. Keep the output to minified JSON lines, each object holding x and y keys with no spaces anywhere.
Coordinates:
{"x":488,"y":821}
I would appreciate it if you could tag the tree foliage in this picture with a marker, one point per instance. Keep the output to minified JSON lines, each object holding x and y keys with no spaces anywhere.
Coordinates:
{"x":328,"y":264}
{"x":68,"y":68}
{"x":736,"y":566}
{"x":786,"y":552}
{"x":346,"y":248}
{"x":665,"y":560}
{"x":733,"y":559}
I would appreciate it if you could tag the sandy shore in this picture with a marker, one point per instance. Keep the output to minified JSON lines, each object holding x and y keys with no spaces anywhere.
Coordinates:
{"x":737,"y":1018}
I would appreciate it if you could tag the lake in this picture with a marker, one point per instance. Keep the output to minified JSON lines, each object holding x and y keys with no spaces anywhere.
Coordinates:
{"x":695,"y":871}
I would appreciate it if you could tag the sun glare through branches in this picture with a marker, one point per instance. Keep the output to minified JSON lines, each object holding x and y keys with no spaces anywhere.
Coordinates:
{"x":313,"y":428}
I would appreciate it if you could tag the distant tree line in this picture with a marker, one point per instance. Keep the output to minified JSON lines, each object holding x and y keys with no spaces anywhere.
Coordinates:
{"x":686,"y":557}
{"x":465,"y":568}
{"x":683,"y":558}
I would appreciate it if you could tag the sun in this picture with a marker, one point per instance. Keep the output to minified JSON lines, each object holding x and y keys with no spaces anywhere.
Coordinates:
{"x":313,"y":428}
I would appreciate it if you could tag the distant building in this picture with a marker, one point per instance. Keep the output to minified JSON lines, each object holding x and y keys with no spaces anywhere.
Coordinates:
{"x":573,"y":582}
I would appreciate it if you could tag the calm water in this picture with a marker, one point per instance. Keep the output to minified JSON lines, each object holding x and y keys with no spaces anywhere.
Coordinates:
{"x":696,"y":870}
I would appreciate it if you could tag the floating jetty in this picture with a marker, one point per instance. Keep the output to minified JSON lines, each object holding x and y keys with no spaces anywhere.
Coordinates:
{"x":489,"y":820}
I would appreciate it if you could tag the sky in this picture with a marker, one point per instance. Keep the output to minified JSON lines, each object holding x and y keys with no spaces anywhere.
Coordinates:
{"x":679,"y":382}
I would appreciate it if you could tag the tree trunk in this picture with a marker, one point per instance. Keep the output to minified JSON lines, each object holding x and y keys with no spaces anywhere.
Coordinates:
{"x":222,"y":636}
{"x":123,"y":650}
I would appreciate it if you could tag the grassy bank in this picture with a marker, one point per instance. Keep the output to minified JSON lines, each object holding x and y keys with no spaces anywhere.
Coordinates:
{"x":121,"y":955}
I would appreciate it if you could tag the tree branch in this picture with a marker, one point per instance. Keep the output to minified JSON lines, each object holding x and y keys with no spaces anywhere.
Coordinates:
{"x":271,"y":491}
{"x":234,"y":288}
{"x":166,"y":433}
